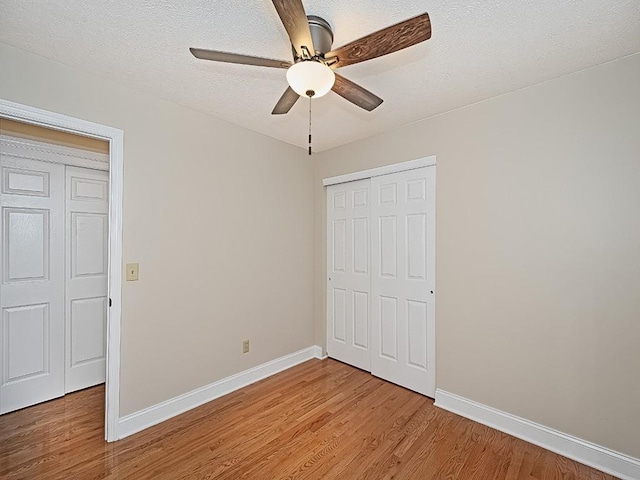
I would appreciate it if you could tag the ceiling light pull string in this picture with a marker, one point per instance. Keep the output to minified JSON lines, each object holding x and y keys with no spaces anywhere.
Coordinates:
{"x":310,"y":93}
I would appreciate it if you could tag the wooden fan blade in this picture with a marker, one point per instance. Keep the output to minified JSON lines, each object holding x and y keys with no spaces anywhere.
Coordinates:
{"x":295,"y":22}
{"x":287,"y":100}
{"x":355,"y":93}
{"x":385,"y":41}
{"x":227,"y":57}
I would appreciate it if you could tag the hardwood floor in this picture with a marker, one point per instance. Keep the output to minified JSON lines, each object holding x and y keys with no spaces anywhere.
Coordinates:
{"x":319,"y":420}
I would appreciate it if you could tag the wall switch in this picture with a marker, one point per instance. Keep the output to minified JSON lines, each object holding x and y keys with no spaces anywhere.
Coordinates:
{"x":132,"y":272}
{"x":245,"y":346}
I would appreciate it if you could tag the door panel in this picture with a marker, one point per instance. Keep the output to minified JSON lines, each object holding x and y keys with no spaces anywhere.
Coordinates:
{"x":361,"y":319}
{"x":26,"y":244}
{"x":32,"y":289}
{"x":88,"y":317}
{"x":25,"y":182}
{"x":339,"y":245}
{"x":388,"y":250}
{"x":388,"y":327}
{"x":86,"y":283}
{"x":416,"y":251}
{"x":402,"y":281}
{"x":88,"y":244}
{"x":27,"y":339}
{"x":417,"y":333}
{"x":339,"y":314}
{"x":348,"y":270}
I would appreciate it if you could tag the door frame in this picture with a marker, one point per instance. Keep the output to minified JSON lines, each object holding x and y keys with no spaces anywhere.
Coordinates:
{"x":429,"y":161}
{"x":115,"y":137}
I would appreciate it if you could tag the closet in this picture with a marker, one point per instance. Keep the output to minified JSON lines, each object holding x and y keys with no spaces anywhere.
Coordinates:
{"x":381,"y":276}
{"x":53,"y":295}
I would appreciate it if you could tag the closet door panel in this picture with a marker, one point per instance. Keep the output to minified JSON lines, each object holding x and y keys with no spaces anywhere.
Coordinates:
{"x":348,"y":273}
{"x":402,"y":280}
{"x":32,"y":288}
{"x":87,"y":207}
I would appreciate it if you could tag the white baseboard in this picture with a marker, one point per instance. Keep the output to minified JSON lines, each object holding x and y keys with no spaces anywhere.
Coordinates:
{"x":155,"y":414}
{"x":603,"y":459}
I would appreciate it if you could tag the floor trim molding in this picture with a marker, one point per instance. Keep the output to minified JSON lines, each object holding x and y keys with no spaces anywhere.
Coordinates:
{"x":609,"y":461}
{"x":155,"y":414}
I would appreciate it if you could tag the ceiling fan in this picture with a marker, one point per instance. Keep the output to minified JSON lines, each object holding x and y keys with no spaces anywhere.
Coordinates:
{"x":311,"y":74}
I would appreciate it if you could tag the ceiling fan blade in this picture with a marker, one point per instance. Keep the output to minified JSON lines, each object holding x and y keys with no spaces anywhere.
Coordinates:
{"x":296,"y":24}
{"x":355,"y":93}
{"x":385,"y":41}
{"x":227,"y":57}
{"x":287,"y":100}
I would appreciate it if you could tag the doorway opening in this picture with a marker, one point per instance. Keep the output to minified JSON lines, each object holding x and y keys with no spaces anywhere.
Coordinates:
{"x":92,"y":217}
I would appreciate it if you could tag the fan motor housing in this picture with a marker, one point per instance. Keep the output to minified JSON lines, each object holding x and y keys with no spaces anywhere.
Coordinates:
{"x":321,"y":34}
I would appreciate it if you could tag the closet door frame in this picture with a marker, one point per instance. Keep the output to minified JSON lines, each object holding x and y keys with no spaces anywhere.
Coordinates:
{"x":115,"y":137}
{"x":361,"y":175}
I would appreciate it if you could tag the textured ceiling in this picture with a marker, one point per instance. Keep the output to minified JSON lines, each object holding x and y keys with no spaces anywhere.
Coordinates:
{"x":479,"y":49}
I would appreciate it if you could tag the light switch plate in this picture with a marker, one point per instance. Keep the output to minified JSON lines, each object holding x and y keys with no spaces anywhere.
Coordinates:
{"x":132,"y":272}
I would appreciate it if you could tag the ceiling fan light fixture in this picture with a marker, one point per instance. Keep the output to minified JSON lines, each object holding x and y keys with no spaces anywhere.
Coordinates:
{"x":310,"y":76}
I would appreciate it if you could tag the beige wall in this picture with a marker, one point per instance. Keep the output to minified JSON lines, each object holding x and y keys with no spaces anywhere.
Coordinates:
{"x":538,"y":248}
{"x":219,"y":218}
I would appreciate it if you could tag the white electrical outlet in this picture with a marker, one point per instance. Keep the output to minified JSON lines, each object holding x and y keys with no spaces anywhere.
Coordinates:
{"x":245,"y":346}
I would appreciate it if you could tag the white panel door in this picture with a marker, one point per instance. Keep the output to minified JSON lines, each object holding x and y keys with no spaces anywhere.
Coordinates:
{"x":348,"y":273}
{"x":32,"y":288}
{"x":403,"y":278}
{"x":87,"y":207}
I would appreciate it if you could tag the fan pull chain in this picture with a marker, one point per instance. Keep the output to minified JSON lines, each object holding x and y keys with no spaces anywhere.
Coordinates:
{"x":311,"y":93}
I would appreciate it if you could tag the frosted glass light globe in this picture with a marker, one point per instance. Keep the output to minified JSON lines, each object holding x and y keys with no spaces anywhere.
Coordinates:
{"x":310,"y":75}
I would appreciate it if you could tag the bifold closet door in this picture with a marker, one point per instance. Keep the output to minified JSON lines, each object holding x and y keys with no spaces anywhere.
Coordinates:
{"x":348,"y":273}
{"x":87,"y":208}
{"x":32,"y":289}
{"x":403,"y":278}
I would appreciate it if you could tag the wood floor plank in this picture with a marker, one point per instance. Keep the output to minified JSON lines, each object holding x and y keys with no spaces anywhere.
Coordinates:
{"x":318,"y":420}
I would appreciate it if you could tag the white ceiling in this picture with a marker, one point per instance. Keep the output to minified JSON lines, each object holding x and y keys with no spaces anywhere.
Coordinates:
{"x":479,"y":49}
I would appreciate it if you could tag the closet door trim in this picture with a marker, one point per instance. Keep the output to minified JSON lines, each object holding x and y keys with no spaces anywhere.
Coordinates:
{"x":115,"y":137}
{"x":375,"y":172}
